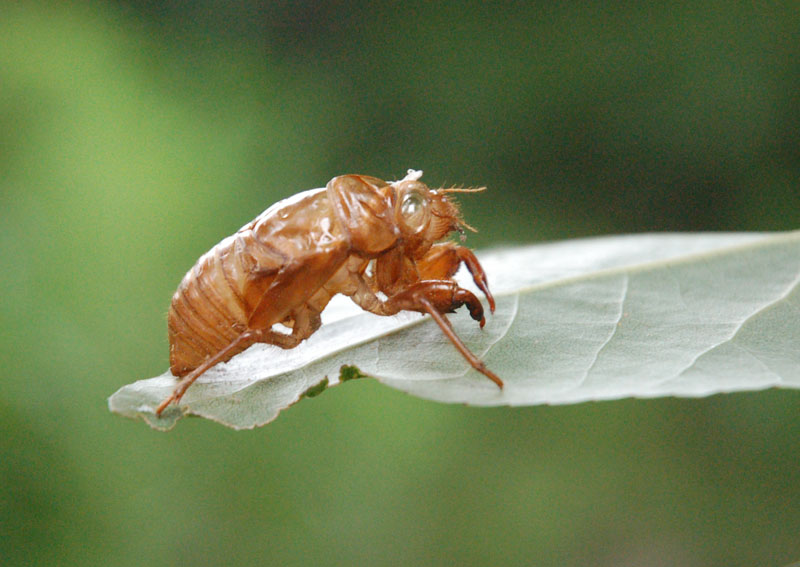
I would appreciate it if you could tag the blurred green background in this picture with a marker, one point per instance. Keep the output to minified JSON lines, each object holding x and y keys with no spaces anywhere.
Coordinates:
{"x":135,"y":135}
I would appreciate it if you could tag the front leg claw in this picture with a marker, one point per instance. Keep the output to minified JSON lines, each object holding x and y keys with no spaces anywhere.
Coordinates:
{"x":442,"y":262}
{"x":465,"y":297}
{"x":478,"y":275}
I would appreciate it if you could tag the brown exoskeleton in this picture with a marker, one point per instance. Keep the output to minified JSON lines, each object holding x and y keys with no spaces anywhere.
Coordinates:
{"x":285,"y":265}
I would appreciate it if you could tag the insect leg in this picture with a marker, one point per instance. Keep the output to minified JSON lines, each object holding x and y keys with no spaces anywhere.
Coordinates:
{"x":437,"y":297}
{"x":478,"y":275}
{"x":443,"y":260}
{"x":306,"y":321}
{"x":444,"y":295}
{"x":237,"y":345}
{"x":447,"y":329}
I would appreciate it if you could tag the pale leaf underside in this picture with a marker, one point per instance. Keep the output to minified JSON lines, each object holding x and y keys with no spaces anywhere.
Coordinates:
{"x":596,"y":319}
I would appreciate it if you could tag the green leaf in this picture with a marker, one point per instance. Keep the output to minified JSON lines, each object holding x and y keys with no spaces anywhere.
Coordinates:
{"x":604,"y":318}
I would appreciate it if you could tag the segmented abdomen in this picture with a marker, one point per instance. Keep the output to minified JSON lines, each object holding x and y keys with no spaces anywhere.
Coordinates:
{"x":211,"y":308}
{"x":216,"y":299}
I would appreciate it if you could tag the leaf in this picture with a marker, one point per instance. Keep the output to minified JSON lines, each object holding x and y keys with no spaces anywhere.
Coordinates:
{"x":596,"y":319}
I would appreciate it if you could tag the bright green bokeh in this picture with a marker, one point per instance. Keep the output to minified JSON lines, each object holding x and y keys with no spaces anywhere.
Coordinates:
{"x":135,"y":136}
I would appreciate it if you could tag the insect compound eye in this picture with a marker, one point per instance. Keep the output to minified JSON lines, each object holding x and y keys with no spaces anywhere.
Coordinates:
{"x":413,"y":203}
{"x":413,"y":208}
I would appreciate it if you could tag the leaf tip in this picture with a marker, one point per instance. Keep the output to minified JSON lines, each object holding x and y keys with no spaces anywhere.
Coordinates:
{"x":127,"y":403}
